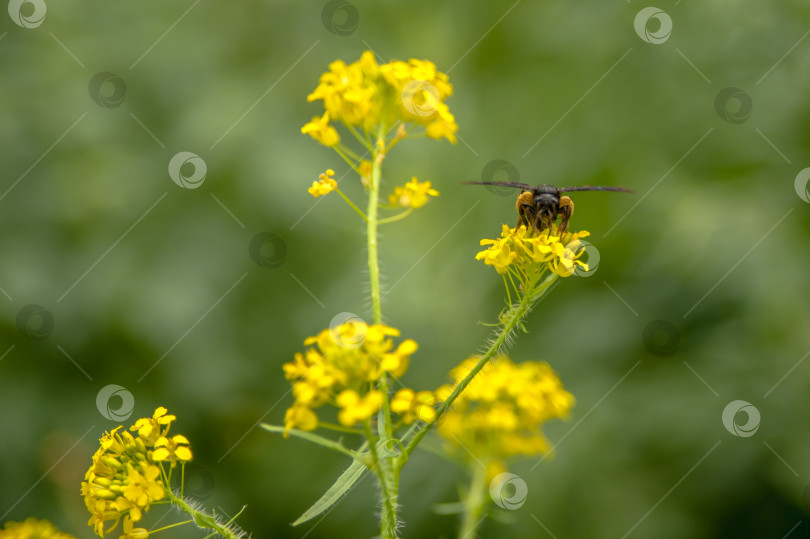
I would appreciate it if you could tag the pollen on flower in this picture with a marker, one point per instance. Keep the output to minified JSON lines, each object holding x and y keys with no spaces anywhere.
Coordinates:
{"x":413,"y":194}
{"x":501,"y":412}
{"x":325,"y":184}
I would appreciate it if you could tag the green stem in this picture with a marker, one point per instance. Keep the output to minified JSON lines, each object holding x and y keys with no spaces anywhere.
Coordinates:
{"x":475,"y":503}
{"x":513,"y":318}
{"x":396,"y":217}
{"x":203,"y":520}
{"x":350,"y":203}
{"x":388,"y":473}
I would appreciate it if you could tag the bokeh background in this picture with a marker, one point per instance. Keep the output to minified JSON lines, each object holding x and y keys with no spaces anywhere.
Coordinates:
{"x":700,"y":298}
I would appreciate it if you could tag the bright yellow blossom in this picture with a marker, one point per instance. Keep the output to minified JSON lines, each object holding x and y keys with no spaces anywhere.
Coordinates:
{"x":501,"y":412}
{"x":125,"y":476}
{"x":32,"y":528}
{"x":368,"y":95}
{"x":172,"y":449}
{"x":355,"y":408}
{"x":325,"y":184}
{"x":319,"y":129}
{"x":531,"y":254}
{"x":413,"y":194}
{"x":341,"y":368}
{"x":412,"y":405}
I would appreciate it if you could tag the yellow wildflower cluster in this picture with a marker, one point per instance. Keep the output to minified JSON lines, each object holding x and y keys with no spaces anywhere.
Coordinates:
{"x":32,"y":529}
{"x":413,"y":194}
{"x":127,"y":475}
{"x":501,"y":412}
{"x":531,"y":254}
{"x":325,"y":184}
{"x":411,"y":405}
{"x":341,"y":369}
{"x":368,"y":95}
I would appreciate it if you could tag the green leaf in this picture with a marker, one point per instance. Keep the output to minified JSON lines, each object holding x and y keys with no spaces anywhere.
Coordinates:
{"x":343,"y":484}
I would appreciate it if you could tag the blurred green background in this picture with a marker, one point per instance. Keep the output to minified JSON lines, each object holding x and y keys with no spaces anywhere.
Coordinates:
{"x":135,"y":270}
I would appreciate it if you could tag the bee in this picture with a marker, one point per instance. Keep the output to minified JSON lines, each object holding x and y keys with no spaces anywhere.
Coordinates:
{"x":538,"y":206}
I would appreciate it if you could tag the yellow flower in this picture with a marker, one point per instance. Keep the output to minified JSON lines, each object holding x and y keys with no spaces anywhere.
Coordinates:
{"x":301,"y":417}
{"x":32,"y":528}
{"x":368,"y":95}
{"x":125,"y":477}
{"x":172,"y":449}
{"x":528,"y":255}
{"x":133,"y":533}
{"x":501,"y":412}
{"x":325,"y":184}
{"x":351,"y":357}
{"x":355,"y":408}
{"x":413,"y":194}
{"x":412,"y":406}
{"x":319,"y":129}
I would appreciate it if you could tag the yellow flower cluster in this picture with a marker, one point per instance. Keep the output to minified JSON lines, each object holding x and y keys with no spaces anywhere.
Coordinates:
{"x":127,"y":476}
{"x":368,"y":95}
{"x":530,"y":254}
{"x":501,"y":412}
{"x":411,"y":405}
{"x":413,"y":194}
{"x":32,"y":529}
{"x":340,"y":368}
{"x":325,"y":184}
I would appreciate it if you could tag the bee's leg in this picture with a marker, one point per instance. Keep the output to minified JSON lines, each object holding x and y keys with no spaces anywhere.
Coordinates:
{"x":524,"y":206}
{"x":566,"y":210}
